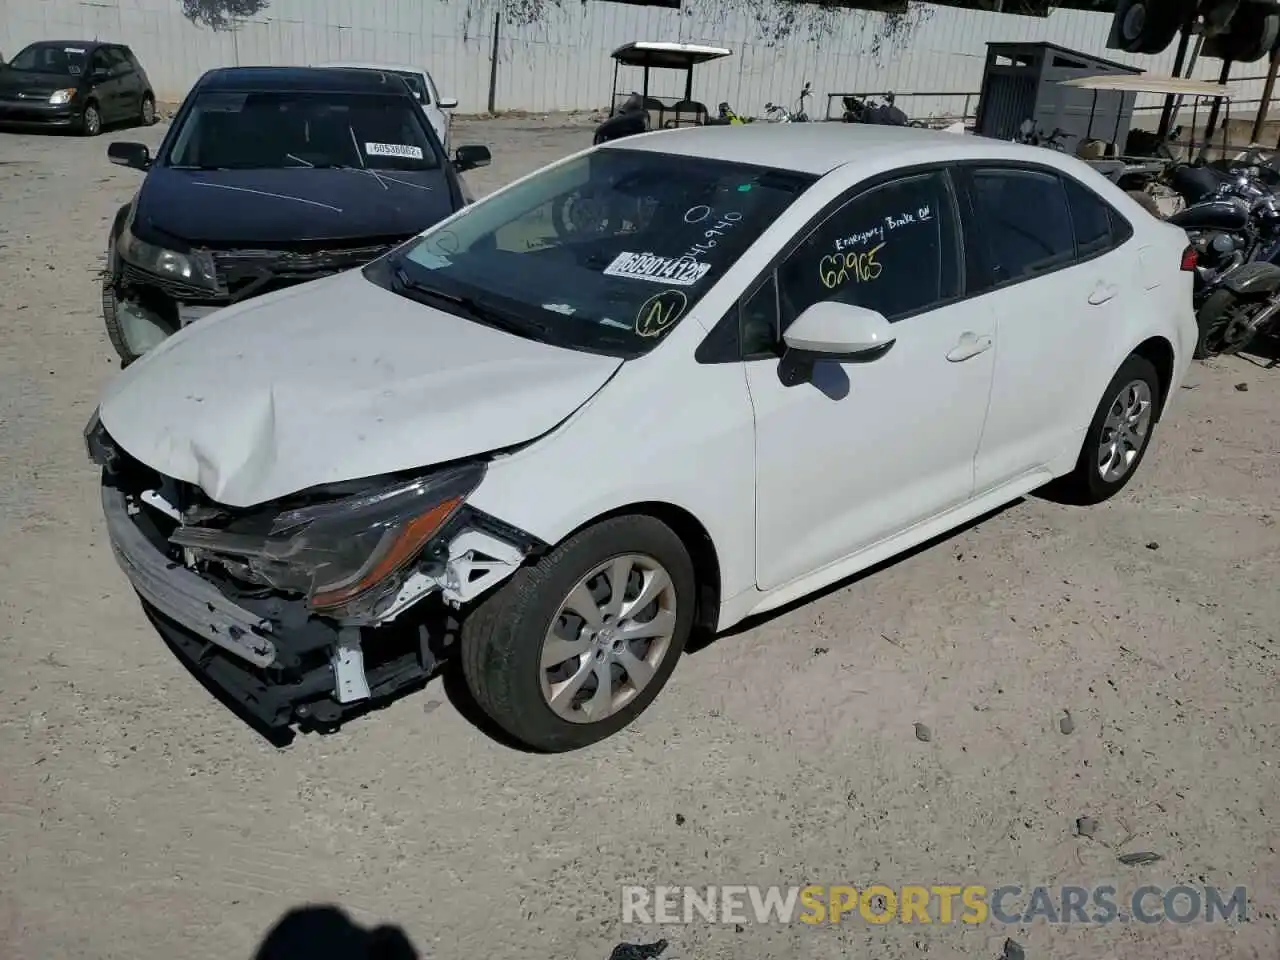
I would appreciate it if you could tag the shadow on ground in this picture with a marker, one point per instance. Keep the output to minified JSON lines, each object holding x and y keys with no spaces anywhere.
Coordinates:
{"x":327,"y":933}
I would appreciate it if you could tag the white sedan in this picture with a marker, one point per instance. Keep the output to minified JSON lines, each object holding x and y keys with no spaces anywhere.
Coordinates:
{"x":655,"y":388}
{"x":422,"y":86}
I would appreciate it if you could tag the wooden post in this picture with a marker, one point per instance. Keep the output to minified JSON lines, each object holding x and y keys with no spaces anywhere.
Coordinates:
{"x":493,"y":64}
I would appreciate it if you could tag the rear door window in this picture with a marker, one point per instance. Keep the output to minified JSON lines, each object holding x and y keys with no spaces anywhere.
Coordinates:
{"x":1023,"y":219}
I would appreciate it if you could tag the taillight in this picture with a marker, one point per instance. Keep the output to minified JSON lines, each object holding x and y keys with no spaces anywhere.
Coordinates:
{"x":1190,"y":258}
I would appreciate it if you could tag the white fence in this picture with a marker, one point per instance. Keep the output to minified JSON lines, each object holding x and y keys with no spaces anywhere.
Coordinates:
{"x":562,"y":62}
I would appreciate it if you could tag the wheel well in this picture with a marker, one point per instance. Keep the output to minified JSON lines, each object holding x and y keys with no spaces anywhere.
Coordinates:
{"x":1159,"y":352}
{"x":702,"y":551}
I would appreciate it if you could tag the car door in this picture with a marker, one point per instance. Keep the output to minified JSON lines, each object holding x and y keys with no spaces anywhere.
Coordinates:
{"x":1053,"y":300}
{"x":865,"y":450}
{"x":128,"y":83}
{"x":103,"y":86}
{"x":440,"y":118}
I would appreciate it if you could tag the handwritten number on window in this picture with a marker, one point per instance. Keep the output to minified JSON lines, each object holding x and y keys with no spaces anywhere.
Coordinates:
{"x":835,"y":269}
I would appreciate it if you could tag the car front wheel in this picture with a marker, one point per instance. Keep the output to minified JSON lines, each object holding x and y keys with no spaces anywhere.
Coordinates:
{"x":573,"y":648}
{"x":90,"y":121}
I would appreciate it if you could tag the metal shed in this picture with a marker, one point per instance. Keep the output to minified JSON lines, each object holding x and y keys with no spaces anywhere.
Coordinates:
{"x":1023,"y":81}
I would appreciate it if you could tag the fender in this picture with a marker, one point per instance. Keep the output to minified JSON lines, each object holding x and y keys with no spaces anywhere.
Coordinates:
{"x":117,"y":225}
{"x":1254,"y":279}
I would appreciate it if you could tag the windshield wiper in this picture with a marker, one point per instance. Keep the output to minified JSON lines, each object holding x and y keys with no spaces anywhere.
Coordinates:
{"x":469,"y":307}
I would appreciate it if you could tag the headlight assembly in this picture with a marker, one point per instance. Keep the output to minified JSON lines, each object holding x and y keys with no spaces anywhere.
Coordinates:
{"x":348,"y":551}
{"x":195,"y":268}
{"x":62,"y":97}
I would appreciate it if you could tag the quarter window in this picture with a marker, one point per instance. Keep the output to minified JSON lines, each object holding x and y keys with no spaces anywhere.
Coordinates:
{"x":1091,"y":218}
{"x":1023,"y":216}
{"x":894,"y":249}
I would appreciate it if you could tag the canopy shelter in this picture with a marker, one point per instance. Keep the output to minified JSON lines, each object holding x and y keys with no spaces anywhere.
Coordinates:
{"x":663,"y":55}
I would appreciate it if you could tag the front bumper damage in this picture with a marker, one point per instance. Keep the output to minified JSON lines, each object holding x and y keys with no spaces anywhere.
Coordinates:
{"x":267,"y":654}
{"x":142,"y":308}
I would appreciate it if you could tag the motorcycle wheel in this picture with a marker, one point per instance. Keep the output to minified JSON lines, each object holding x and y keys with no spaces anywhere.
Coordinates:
{"x":1223,"y":320}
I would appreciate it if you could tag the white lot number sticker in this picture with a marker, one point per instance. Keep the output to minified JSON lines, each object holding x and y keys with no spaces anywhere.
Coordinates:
{"x":393,"y":150}
{"x":648,"y":266}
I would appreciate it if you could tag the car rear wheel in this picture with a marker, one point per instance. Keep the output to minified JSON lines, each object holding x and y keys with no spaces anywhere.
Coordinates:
{"x":573,"y":648}
{"x":90,"y":120}
{"x":1118,"y":436}
{"x":147,"y":115}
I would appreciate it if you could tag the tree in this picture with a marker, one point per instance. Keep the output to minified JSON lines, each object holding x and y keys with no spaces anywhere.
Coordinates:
{"x":775,"y":20}
{"x":221,"y":14}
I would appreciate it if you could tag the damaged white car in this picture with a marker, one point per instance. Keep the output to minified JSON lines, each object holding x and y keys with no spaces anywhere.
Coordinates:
{"x":659,"y":386}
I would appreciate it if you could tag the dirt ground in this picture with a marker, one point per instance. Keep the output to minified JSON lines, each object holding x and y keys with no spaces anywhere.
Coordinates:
{"x":139,"y":819}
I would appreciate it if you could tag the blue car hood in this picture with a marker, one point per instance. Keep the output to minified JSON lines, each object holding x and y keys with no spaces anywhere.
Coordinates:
{"x":280,"y":206}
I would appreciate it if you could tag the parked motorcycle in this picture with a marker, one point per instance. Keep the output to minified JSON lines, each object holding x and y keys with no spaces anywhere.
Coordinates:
{"x":776,"y":113}
{"x":860,"y":110}
{"x":1232,"y":220}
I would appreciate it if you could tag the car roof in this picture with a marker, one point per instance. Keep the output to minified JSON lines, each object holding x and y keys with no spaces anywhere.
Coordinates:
{"x":86,"y":44}
{"x":353,"y":65}
{"x":818,"y":148}
{"x":300,"y":79}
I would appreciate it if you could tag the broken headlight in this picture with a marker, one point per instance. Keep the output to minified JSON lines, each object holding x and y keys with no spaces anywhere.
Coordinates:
{"x":195,"y":267}
{"x":347,"y":550}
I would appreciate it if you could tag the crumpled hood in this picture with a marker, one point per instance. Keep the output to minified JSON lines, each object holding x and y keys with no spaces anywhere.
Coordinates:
{"x":227,"y":207}
{"x":335,"y":380}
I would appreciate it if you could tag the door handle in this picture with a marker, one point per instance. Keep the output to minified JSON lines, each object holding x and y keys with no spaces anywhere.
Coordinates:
{"x":1102,"y":293}
{"x":970,"y":346}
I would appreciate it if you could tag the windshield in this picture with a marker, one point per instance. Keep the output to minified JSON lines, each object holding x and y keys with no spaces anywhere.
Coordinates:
{"x":414,"y":82}
{"x":607,"y":252}
{"x":68,"y":61}
{"x":257,"y":131}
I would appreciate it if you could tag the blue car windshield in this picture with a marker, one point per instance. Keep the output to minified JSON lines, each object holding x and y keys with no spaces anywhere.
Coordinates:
{"x":607,"y":251}
{"x":235,"y":130}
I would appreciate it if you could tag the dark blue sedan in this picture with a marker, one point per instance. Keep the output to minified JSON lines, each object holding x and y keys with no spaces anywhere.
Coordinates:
{"x":269,"y":177}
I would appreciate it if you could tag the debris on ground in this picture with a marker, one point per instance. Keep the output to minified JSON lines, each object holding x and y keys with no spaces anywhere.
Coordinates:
{"x":1139,"y":859}
{"x":819,"y":651}
{"x":1153,"y":545}
{"x":679,"y":819}
{"x":638,"y":951}
{"x":1242,"y":387}
{"x":1086,"y":827}
{"x":1066,"y":725}
{"x":923,"y":733}
{"x":1013,"y":951}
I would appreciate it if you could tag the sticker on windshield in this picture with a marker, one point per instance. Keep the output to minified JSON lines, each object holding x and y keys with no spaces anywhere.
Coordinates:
{"x":393,"y":150}
{"x":648,"y":266}
{"x":73,"y":49}
{"x":659,"y":312}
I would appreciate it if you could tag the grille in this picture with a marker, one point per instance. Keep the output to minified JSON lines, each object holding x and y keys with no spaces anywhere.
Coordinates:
{"x":249,"y":273}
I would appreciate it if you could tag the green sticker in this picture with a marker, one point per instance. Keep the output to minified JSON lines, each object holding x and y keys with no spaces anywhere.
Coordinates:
{"x":744,"y":188}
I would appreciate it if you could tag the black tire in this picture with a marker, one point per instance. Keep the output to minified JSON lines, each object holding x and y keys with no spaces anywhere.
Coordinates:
{"x":111,"y":317}
{"x":90,"y":120}
{"x":1254,"y":32}
{"x":1220,"y":310}
{"x":147,"y":111}
{"x":1085,"y":485}
{"x":501,"y":643}
{"x":1150,"y":26}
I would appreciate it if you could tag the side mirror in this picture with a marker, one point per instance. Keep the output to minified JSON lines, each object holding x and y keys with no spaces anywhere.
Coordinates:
{"x":135,"y":155}
{"x":470,"y":156}
{"x":833,"y":331}
{"x":447,"y":103}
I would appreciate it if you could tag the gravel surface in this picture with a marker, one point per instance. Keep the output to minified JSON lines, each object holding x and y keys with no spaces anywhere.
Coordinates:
{"x":139,"y":819}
